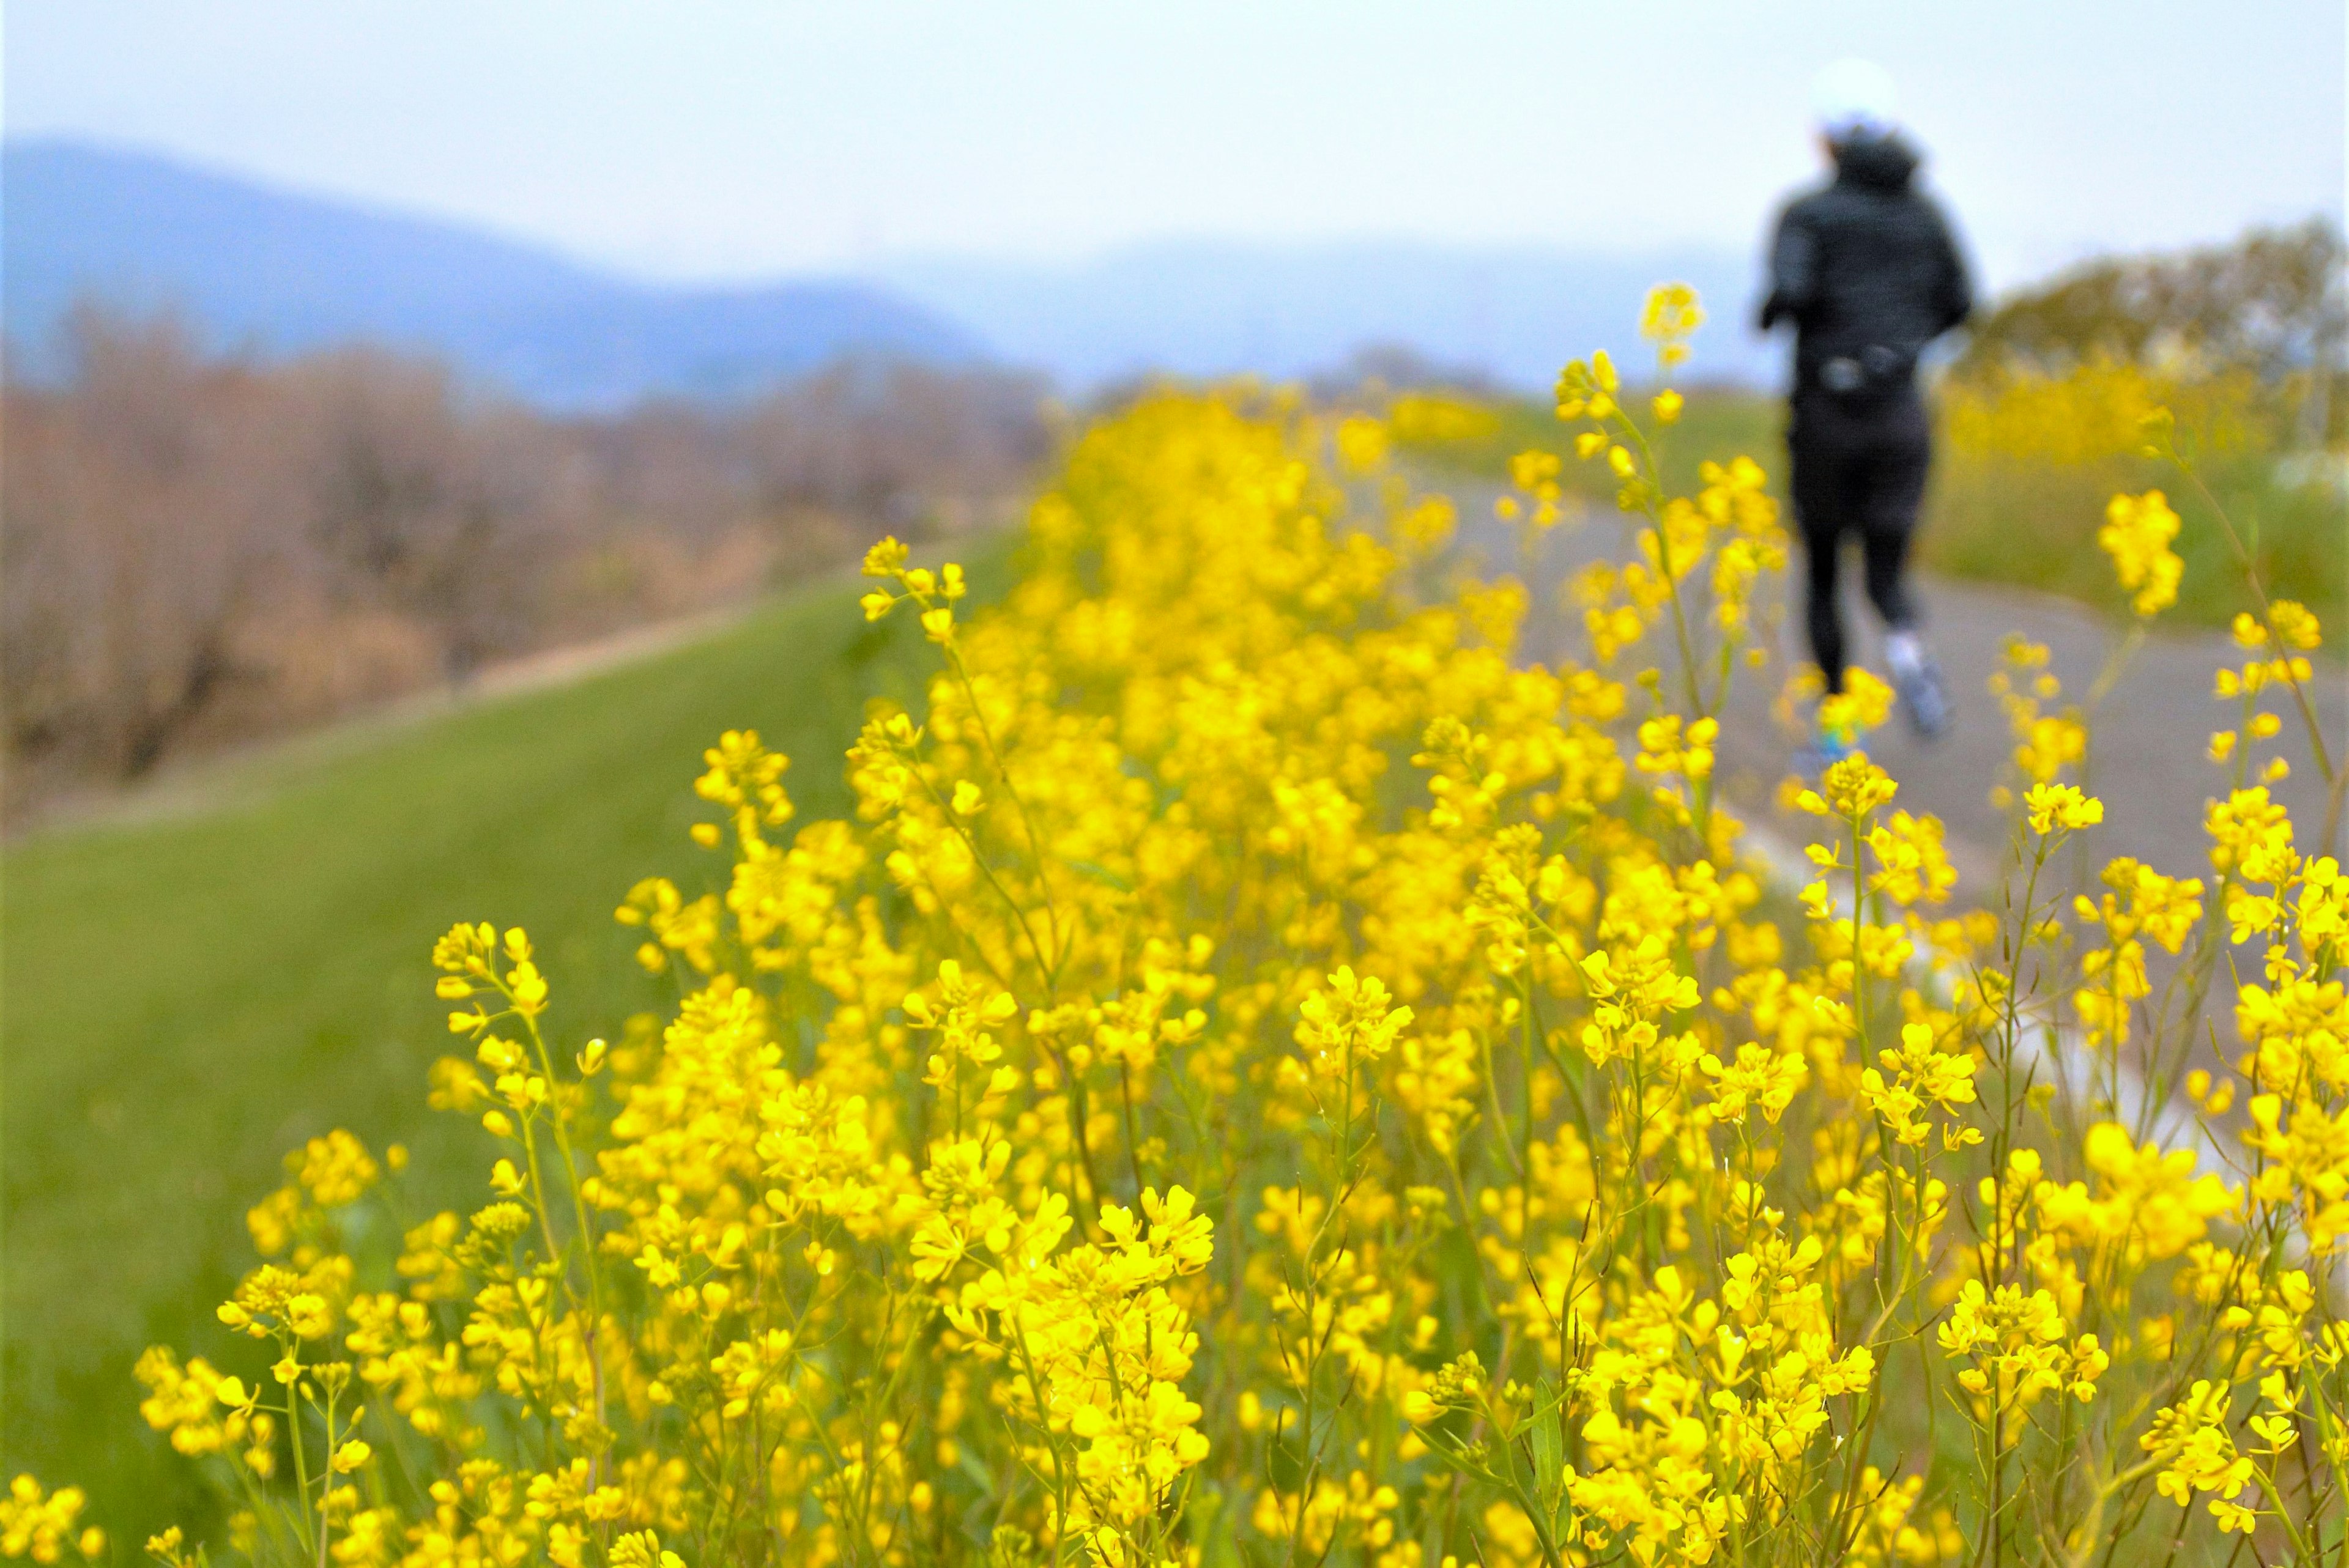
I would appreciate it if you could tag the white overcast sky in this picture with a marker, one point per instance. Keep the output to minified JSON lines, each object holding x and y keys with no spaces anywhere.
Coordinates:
{"x":731,"y":138}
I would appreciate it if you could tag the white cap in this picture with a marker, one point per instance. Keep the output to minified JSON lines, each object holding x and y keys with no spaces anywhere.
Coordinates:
{"x":1855,"y":97}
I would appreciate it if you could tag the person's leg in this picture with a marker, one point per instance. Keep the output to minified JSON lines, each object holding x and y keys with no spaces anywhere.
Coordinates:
{"x":1884,"y":550}
{"x":1823,"y":617}
{"x":1899,"y":456}
{"x":1815,"y":480}
{"x":1899,"y":459}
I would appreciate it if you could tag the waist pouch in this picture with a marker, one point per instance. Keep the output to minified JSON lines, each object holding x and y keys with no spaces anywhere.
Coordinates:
{"x":1869,"y":376}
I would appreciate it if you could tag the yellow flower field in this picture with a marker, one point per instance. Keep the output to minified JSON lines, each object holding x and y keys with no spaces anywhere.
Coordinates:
{"x":1269,"y":1078}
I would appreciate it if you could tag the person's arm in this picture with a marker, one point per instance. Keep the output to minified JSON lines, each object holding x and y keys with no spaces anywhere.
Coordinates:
{"x":1794,"y":270}
{"x":1954,"y":296}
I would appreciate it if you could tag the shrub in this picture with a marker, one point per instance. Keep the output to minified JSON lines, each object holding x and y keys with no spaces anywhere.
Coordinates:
{"x":2243,"y":343}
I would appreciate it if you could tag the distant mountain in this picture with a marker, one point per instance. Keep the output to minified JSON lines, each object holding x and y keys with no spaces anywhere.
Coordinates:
{"x":1205,"y":308}
{"x":275,"y":273}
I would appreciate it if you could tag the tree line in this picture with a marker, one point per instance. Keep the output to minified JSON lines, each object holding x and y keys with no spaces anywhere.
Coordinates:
{"x":2270,"y":304}
{"x":197,"y":548}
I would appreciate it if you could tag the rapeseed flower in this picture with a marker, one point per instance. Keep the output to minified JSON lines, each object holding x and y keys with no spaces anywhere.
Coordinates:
{"x":1268,"y":1070}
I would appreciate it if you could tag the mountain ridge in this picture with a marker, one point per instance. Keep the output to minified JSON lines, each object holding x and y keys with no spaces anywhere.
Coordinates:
{"x":1515,"y":312}
{"x":273,"y":272}
{"x":269,"y":271}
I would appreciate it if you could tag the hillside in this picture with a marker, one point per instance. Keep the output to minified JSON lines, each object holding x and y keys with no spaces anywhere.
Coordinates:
{"x":280,"y":273}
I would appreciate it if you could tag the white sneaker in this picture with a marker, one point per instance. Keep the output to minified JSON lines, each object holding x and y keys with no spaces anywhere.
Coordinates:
{"x":1924,"y":697}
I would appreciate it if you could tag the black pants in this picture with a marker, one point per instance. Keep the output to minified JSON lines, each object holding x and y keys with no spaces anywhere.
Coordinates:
{"x":1857,"y":471}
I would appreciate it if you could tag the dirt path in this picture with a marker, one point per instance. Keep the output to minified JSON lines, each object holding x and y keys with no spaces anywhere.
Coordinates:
{"x":2148,"y":733}
{"x":214,"y":778}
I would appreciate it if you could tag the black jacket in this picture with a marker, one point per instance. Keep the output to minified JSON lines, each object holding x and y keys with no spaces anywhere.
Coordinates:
{"x":1868,"y":272}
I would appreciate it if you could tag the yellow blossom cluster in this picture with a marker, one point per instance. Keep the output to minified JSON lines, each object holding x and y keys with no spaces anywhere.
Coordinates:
{"x":2095,"y":409}
{"x":2136,"y":534}
{"x":39,"y":1524}
{"x":1270,"y":1074}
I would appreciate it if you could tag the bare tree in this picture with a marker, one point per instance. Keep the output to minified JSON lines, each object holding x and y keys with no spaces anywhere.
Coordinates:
{"x":139,"y":534}
{"x":201,"y":550}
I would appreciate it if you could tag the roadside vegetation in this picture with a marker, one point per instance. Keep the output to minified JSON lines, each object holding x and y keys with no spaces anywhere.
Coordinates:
{"x":1244,"y":1069}
{"x":1208,"y":1058}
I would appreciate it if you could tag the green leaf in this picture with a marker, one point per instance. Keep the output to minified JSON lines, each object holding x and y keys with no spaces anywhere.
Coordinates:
{"x":1549,"y":1439}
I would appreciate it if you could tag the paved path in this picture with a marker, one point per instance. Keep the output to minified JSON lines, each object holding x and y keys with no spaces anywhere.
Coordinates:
{"x":2148,"y":737}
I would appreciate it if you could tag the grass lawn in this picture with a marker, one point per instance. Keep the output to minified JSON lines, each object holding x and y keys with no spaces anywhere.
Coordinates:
{"x":187,"y":998}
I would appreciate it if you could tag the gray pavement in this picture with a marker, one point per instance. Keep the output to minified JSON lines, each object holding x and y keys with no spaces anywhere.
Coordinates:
{"x":2147,"y":734}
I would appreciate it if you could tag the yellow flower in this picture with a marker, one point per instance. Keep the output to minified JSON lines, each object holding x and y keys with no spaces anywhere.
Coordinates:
{"x":2136,"y":534}
{"x":2061,"y":807}
{"x":1234,"y":940}
{"x":1668,"y":318}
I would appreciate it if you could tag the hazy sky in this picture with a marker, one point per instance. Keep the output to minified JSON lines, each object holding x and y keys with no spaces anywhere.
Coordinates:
{"x":736,"y":137}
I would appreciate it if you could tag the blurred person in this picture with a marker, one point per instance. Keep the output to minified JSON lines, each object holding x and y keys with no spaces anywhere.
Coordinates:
{"x":1868,"y":271}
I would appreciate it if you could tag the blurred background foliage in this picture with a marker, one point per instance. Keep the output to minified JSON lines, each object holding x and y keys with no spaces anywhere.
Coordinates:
{"x":201,"y":550}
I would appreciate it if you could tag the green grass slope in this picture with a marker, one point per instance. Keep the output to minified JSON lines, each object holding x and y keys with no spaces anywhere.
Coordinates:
{"x":187,"y":998}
